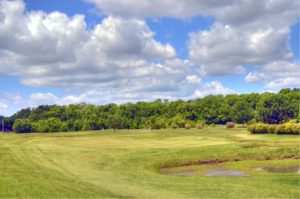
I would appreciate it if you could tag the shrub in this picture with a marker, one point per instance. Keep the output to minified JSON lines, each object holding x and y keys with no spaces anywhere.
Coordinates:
{"x":286,"y":128}
{"x":200,"y":125}
{"x":271,"y":129}
{"x":294,"y":121}
{"x":258,"y":128}
{"x":230,"y":125}
{"x":289,"y":128}
{"x":295,"y":129}
{"x":187,"y":126}
{"x":174,"y":125}
{"x":280,"y":129}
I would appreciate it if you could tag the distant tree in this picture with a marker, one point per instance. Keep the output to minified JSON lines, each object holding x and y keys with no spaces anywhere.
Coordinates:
{"x":276,"y":108}
{"x":115,"y":121}
{"x":22,"y":126}
{"x":242,"y":112}
{"x":23,"y":113}
{"x":213,"y":109}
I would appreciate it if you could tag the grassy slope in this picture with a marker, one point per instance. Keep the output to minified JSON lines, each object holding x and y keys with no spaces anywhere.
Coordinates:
{"x":126,"y":164}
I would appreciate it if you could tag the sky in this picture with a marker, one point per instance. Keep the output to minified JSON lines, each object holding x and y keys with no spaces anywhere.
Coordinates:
{"x":118,"y":51}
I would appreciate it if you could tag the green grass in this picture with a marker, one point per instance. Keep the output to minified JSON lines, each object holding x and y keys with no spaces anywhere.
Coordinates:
{"x":126,"y":164}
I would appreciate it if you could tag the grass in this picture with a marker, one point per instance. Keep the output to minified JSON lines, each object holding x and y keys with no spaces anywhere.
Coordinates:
{"x":126,"y":164}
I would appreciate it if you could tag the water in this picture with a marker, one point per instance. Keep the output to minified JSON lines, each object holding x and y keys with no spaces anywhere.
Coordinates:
{"x":282,"y":169}
{"x":178,"y":173}
{"x":187,"y":172}
{"x":225,"y":173}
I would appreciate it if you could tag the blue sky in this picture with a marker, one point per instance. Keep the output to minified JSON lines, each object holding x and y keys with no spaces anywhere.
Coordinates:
{"x":98,"y":51}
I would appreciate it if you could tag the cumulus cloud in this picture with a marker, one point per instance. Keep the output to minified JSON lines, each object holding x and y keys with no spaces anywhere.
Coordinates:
{"x":53,"y":49}
{"x":277,"y":75}
{"x":193,"y":79}
{"x":284,"y":82}
{"x":42,"y":98}
{"x":225,"y":49}
{"x":255,"y":77}
{"x":244,"y":34}
{"x":157,"y":8}
{"x":235,"y":12}
{"x":212,"y":88}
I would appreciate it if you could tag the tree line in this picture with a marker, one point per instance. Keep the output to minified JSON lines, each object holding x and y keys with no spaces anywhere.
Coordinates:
{"x":269,"y":108}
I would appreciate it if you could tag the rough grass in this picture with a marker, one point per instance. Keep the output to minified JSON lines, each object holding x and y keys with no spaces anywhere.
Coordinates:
{"x":126,"y":164}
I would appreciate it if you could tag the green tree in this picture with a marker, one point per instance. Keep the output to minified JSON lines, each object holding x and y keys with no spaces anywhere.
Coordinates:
{"x":242,"y":112}
{"x":276,"y":108}
{"x":22,"y":126}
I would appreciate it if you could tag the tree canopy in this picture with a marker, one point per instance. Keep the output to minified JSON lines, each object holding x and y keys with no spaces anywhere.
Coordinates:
{"x":271,"y":108}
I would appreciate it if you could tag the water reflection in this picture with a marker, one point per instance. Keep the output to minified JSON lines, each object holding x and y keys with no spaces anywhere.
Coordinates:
{"x":225,"y":173}
{"x":282,"y":169}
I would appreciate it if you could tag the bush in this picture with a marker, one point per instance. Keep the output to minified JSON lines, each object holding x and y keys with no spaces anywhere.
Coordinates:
{"x":200,"y":125}
{"x":174,"y":125}
{"x":286,"y":128}
{"x":280,"y":129}
{"x":294,"y":121}
{"x":271,"y":128}
{"x":295,"y":129}
{"x":187,"y":126}
{"x":230,"y":125}
{"x":259,"y":128}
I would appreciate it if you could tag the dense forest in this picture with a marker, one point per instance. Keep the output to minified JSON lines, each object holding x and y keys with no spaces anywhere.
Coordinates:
{"x":270,"y":108}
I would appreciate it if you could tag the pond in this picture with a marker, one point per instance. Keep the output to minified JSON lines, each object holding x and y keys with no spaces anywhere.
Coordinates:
{"x":172,"y":172}
{"x":225,"y":173}
{"x":280,"y":169}
{"x":211,"y":170}
{"x":191,"y":172}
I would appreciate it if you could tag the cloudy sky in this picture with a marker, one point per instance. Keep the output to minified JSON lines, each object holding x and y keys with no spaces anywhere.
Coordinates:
{"x":102,"y":51}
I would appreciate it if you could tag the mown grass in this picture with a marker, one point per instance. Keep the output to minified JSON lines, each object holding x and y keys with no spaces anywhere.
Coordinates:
{"x":126,"y":164}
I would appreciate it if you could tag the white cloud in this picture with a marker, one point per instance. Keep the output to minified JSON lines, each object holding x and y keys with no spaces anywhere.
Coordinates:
{"x":36,"y":99}
{"x":53,"y":49}
{"x":212,"y":88}
{"x":96,"y":96}
{"x":284,"y":83}
{"x":225,"y":49}
{"x":3,"y":106}
{"x":120,"y":60}
{"x":237,"y":12}
{"x":157,"y":8}
{"x":278,"y":75}
{"x":255,"y":77}
{"x":193,"y":79}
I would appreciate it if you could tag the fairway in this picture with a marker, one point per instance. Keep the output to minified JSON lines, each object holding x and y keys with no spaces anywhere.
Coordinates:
{"x":129,"y":163}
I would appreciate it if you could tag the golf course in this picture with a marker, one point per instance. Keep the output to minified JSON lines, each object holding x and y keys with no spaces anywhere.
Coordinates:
{"x":213,"y":162}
